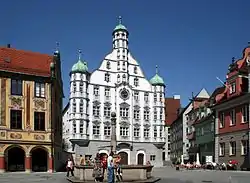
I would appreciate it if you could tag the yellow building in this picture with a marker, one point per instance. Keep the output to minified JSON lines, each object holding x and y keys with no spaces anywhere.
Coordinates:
{"x":30,"y":111}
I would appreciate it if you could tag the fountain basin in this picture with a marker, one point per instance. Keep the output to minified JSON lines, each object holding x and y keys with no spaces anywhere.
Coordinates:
{"x":130,"y":173}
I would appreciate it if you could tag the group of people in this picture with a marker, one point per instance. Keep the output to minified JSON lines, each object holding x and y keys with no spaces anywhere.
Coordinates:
{"x":101,"y":164}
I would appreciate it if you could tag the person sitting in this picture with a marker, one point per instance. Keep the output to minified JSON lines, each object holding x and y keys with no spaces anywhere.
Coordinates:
{"x":97,"y":171}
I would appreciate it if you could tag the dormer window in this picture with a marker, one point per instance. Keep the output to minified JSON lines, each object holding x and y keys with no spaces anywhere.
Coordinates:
{"x":108,"y":65}
{"x":107,"y":77}
{"x":232,"y":87}
{"x":136,"y":82}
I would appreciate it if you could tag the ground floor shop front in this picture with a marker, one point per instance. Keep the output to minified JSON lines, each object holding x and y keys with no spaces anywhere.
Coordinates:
{"x":27,"y":158}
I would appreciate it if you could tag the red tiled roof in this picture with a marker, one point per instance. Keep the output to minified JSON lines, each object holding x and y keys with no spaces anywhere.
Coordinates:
{"x":171,"y":110}
{"x":26,"y":62}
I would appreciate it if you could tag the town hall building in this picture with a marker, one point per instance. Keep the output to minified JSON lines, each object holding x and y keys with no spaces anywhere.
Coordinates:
{"x":119,"y":85}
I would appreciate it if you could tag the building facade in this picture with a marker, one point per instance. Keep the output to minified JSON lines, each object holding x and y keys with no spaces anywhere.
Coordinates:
{"x":119,"y":85}
{"x":232,"y":115}
{"x":194,"y":115}
{"x":204,"y":128}
{"x":172,"y":108}
{"x":30,"y":134}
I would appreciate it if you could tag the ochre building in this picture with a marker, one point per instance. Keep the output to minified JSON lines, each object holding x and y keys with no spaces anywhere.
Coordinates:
{"x":30,"y":111}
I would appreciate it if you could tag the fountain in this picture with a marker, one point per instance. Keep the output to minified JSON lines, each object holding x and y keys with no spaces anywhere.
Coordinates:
{"x":130,"y":173}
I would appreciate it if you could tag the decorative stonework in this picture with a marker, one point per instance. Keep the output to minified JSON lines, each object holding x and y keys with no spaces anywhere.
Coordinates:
{"x":16,"y":102}
{"x":2,"y":134}
{"x":39,"y":104}
{"x":39,"y":137}
{"x":3,"y":101}
{"x":15,"y":135}
{"x":27,"y":146}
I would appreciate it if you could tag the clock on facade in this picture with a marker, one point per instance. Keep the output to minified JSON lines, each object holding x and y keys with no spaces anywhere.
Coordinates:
{"x":124,"y":94}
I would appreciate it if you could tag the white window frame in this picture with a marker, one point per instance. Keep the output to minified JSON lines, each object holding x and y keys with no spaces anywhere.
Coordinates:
{"x":81,"y":106}
{"x":245,"y":114}
{"x":81,"y":86}
{"x":136,"y":114}
{"x":244,"y":147}
{"x":96,"y":90}
{"x":232,"y":87}
{"x":107,"y":111}
{"x":155,"y":114}
{"x":136,"y":96}
{"x":146,"y":132}
{"x":96,"y":110}
{"x":74,"y":127}
{"x":232,"y":148}
{"x":74,"y":86}
{"x":96,"y":130}
{"x":136,"y":132}
{"x":155,"y":97}
{"x":136,"y":81}
{"x":146,"y":114}
{"x":39,"y":89}
{"x":155,"y":132}
{"x":107,"y":130}
{"x":124,"y":131}
{"x":222,"y":147}
{"x":81,"y":125}
{"x":222,"y":119}
{"x":107,"y":77}
{"x":74,"y":106}
{"x":232,"y":117}
{"x":124,"y":112}
{"x":107,"y":92}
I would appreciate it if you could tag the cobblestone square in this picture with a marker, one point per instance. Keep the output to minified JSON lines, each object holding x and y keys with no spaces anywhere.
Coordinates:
{"x":167,"y":175}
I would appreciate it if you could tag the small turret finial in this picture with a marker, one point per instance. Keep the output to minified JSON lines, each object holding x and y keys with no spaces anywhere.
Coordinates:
{"x":156,"y":69}
{"x":79,"y":54}
{"x":120,"y":19}
{"x":233,"y":60}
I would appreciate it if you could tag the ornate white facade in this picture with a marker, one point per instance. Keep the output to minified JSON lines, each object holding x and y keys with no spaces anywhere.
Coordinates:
{"x":117,"y":85}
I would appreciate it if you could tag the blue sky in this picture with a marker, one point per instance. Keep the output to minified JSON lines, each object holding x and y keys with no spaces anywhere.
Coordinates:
{"x":192,"y":41}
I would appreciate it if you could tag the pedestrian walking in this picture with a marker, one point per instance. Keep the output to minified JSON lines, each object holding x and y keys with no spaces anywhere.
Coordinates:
{"x":70,"y":167}
{"x":111,"y":177}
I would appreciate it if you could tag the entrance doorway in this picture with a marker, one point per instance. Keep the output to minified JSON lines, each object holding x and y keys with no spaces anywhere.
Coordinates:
{"x":15,"y":159}
{"x":124,"y":158}
{"x":39,"y":158}
{"x":140,"y":159}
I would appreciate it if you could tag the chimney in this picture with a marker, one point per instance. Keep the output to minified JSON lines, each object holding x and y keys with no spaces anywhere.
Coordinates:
{"x":8,"y":45}
{"x":176,"y":97}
